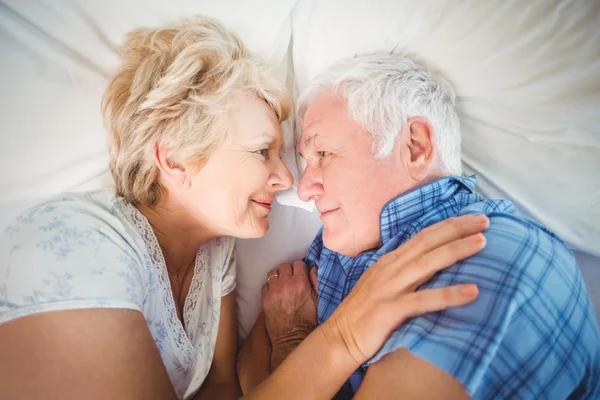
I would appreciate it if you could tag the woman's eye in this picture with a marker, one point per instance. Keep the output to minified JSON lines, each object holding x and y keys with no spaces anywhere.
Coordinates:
{"x":262,"y":152}
{"x":323,"y":154}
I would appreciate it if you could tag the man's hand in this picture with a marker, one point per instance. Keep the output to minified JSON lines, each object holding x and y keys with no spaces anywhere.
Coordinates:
{"x":290,"y":305}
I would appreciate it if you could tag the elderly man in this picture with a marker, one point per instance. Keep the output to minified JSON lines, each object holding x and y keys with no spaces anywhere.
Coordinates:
{"x":382,"y":144}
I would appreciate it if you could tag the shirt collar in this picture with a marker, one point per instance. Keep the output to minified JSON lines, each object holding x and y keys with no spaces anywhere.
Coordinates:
{"x":412,"y":205}
{"x":409,"y":207}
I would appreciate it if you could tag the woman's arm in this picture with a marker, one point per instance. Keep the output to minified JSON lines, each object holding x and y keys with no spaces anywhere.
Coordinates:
{"x":254,"y":358}
{"x":222,"y":382}
{"x":384,"y":297}
{"x":315,"y":370}
{"x":81,"y":354}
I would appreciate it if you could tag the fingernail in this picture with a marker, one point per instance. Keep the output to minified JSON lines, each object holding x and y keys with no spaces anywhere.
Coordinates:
{"x":469,"y":290}
{"x":476,"y":238}
{"x":482,"y":218}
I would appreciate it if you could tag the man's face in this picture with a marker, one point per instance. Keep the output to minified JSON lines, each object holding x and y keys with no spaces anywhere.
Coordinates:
{"x":348,"y":184}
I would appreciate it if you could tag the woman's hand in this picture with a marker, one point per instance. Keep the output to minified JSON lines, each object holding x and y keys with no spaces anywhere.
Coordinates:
{"x":386,"y":296}
{"x":383,"y":298}
{"x":290,"y":307}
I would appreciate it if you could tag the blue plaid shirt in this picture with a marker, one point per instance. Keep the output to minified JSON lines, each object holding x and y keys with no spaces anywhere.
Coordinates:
{"x":531,"y":334}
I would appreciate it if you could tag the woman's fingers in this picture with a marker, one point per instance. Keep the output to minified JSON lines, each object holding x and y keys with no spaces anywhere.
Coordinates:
{"x":430,"y":300}
{"x":384,"y":295}
{"x":427,"y":265}
{"x":438,"y":235}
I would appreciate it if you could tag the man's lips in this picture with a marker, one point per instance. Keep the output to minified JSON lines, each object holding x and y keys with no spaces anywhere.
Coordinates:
{"x":330,"y":211}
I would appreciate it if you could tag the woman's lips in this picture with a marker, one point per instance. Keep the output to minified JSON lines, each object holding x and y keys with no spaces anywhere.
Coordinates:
{"x":264,"y":204}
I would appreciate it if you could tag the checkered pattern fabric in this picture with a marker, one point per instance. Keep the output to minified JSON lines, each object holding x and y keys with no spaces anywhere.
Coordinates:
{"x":531,"y":334}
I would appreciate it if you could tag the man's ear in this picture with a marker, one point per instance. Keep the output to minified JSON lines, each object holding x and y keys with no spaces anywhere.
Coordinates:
{"x":175,"y":174}
{"x":421,"y":147}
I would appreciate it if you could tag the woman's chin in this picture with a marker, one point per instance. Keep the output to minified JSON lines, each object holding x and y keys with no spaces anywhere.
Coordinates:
{"x":254,"y":231}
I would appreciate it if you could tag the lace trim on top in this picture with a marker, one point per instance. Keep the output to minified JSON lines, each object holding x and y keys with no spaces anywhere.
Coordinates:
{"x":183,"y":348}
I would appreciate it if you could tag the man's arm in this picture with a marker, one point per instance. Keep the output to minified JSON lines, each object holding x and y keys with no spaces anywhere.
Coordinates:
{"x":254,"y":358}
{"x":222,"y":382}
{"x":402,"y":374}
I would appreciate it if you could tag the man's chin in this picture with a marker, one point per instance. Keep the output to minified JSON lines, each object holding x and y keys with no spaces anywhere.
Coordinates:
{"x":339,"y":244}
{"x":336,"y":243}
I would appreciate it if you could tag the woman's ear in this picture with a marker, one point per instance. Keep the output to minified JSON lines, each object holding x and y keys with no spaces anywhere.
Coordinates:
{"x":172,"y":173}
{"x":421,"y":146}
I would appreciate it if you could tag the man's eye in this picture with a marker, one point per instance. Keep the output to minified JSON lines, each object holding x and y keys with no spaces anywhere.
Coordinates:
{"x":262,"y":152}
{"x":323,"y":154}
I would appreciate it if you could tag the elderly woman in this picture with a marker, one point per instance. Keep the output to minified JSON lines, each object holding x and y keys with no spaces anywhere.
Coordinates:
{"x":129,"y":292}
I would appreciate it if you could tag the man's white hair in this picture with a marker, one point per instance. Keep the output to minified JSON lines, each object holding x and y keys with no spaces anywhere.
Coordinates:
{"x":382,"y":91}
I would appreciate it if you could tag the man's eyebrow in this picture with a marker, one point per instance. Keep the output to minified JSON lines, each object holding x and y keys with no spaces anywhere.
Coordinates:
{"x":309,"y":141}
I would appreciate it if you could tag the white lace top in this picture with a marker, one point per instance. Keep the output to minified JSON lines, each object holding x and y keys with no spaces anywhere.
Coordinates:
{"x":97,"y":250}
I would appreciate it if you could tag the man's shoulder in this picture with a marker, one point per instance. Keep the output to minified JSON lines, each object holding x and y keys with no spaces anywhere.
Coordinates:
{"x":521,"y":260}
{"x":517,"y":241}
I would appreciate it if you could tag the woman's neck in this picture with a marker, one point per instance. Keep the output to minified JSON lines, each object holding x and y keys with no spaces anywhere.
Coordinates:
{"x":178,"y":233}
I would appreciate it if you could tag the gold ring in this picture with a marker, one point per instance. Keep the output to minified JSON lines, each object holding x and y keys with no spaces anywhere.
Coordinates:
{"x":272,"y":276}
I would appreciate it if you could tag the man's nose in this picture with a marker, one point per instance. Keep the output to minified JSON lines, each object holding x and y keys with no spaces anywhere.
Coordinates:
{"x":310,"y":186}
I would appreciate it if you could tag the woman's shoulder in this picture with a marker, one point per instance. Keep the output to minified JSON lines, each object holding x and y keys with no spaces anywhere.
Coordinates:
{"x":73,"y":251}
{"x":221,"y":249}
{"x":72,"y":215}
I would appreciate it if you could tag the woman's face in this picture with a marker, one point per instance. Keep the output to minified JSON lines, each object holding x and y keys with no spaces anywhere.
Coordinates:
{"x":232,"y":193}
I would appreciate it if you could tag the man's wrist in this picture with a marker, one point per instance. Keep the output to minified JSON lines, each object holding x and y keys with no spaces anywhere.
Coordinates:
{"x":284,"y":345}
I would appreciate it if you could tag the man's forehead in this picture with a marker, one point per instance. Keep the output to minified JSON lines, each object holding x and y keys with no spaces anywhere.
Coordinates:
{"x":323,"y":104}
{"x":322,"y":108}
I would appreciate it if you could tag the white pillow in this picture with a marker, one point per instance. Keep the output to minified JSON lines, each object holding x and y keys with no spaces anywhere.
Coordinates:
{"x":56,"y":60}
{"x":527,"y":76}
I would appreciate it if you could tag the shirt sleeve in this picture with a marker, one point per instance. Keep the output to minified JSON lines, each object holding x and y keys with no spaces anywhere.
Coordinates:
{"x":228,"y":282}
{"x":464,"y":341}
{"x":57,"y":256}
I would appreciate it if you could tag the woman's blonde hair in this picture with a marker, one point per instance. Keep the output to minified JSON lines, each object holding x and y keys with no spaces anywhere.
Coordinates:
{"x":175,"y":86}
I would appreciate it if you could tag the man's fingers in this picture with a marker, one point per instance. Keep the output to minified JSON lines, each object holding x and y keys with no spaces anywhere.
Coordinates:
{"x":438,"y":235}
{"x":263,"y":290}
{"x":314,"y":280}
{"x":299,"y":268}
{"x":272,"y":275}
{"x":427,"y":265}
{"x":285,"y":270}
{"x":430,"y":300}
